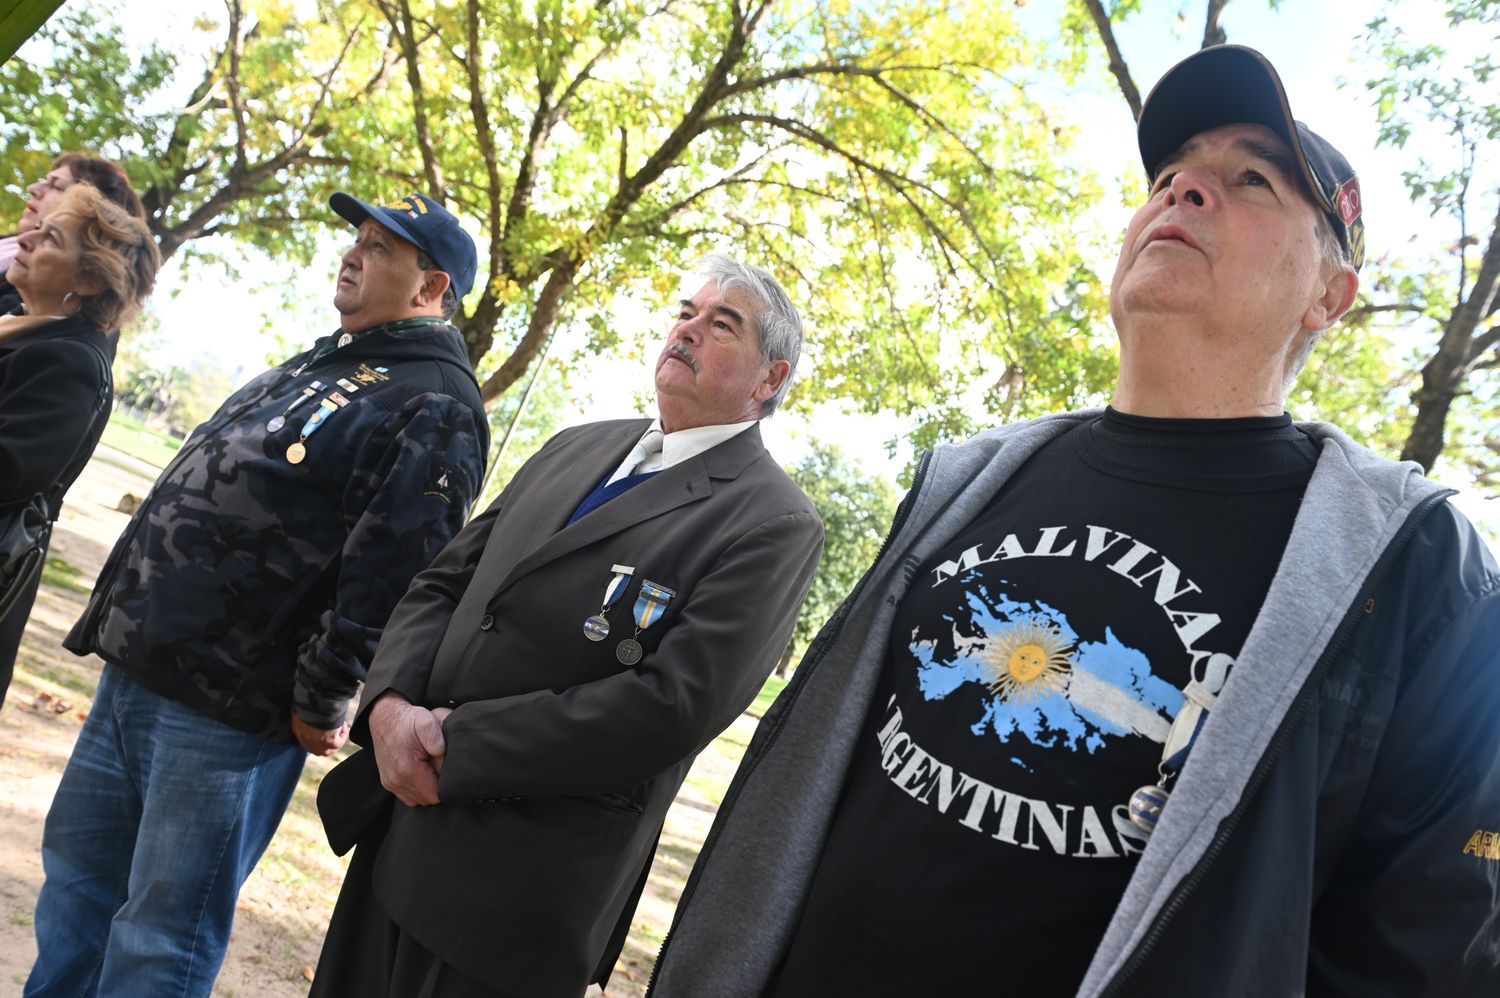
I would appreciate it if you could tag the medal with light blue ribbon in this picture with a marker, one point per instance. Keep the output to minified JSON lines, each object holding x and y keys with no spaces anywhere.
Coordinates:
{"x":596,"y":628}
{"x":649,"y":606}
{"x":277,"y":422}
{"x":1147,"y":802}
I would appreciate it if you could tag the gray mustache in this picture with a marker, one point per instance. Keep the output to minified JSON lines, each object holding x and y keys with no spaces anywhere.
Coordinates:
{"x":683,"y":353}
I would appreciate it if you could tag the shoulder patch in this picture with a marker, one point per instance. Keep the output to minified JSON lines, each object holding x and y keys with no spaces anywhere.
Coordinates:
{"x":442,"y":484}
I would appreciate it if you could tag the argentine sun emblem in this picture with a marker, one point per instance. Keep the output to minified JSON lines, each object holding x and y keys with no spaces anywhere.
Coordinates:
{"x":1028,"y":660}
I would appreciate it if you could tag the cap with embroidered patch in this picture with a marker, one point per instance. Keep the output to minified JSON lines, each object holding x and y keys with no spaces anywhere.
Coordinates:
{"x":1229,"y":84}
{"x":425,"y":224}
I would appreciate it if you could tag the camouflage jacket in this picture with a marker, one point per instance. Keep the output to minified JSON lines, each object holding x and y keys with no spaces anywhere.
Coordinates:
{"x":247,"y":583}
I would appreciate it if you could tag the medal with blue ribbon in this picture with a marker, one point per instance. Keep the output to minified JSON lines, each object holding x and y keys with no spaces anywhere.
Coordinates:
{"x":1147,"y":802}
{"x":649,"y":606}
{"x":277,"y":422}
{"x":330,"y":405}
{"x":596,"y":628}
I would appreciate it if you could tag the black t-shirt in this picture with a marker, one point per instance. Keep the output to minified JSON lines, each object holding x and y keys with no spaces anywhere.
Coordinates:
{"x":981,"y":841}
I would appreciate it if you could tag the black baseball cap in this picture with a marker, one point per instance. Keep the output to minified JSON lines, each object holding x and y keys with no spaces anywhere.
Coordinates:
{"x":425,"y":224}
{"x":1228,"y":84}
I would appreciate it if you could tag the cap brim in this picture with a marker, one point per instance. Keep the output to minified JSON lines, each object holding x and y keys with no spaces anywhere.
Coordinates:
{"x":354,"y":211}
{"x":1222,"y":85}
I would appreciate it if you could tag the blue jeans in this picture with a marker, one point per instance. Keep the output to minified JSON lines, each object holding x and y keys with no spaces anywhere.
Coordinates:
{"x":160,"y":816}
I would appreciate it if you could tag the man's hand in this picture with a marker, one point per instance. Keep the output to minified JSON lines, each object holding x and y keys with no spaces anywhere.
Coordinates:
{"x":409,"y":747}
{"x":317,"y":741}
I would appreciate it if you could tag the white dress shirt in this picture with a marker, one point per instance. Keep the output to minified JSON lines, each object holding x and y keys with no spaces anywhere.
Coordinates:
{"x":678,"y":447}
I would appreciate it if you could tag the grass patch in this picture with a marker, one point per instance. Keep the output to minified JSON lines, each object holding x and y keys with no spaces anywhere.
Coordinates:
{"x":132,"y":437}
{"x":65,"y":678}
{"x":56,"y":572}
{"x":770,"y":691}
{"x":712,"y":791}
{"x":731,"y":737}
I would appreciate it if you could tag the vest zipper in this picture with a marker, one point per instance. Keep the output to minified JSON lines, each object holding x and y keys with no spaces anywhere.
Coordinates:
{"x":1278,"y":741}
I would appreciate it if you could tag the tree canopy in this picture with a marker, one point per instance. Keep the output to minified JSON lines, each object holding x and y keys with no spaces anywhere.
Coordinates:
{"x":898,"y":166}
{"x":885,"y":161}
{"x":857,"y":508}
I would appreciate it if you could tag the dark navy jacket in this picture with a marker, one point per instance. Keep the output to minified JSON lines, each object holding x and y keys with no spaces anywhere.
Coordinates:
{"x":247,"y":583}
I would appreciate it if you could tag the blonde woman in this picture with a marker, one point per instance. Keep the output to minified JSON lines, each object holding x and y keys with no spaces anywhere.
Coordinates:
{"x":87,"y":268}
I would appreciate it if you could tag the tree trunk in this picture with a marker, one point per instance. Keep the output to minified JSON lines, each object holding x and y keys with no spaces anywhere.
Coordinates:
{"x":543,"y":318}
{"x":1444,"y":375}
{"x":785,"y":663}
{"x":1116,"y":59}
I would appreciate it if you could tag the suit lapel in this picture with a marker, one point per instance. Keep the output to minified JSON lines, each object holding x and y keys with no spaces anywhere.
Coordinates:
{"x":686,"y":482}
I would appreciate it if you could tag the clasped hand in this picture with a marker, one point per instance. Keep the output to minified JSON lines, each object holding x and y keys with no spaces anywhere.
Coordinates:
{"x":409,"y":747}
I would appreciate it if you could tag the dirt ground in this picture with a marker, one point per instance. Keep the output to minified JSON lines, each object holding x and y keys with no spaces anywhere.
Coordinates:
{"x":285,"y":905}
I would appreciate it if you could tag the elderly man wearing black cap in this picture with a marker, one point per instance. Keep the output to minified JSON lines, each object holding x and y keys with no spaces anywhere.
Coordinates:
{"x":238,"y":612}
{"x":1175,"y":698}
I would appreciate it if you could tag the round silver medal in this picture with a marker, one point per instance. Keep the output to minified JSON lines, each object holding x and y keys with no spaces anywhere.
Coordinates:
{"x":596,"y":628}
{"x":1145,"y":806}
{"x":628,"y":652}
{"x":276,"y":423}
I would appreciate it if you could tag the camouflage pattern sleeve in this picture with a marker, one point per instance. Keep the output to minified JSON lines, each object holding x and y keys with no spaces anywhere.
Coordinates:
{"x":409,"y":497}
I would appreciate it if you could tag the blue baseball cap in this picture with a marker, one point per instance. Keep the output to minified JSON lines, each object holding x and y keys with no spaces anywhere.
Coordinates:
{"x":1229,"y":84}
{"x":425,"y":224}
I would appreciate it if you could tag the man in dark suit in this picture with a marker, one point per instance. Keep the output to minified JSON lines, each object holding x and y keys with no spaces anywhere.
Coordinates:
{"x":543,"y":687}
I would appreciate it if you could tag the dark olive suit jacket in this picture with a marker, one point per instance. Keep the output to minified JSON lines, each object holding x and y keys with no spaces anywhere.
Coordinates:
{"x":562,"y":762}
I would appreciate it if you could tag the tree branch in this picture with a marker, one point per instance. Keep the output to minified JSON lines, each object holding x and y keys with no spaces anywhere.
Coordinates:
{"x":543,"y":317}
{"x":692,"y":124}
{"x":1213,"y":32}
{"x":888,"y":286}
{"x":404,"y":31}
{"x":1365,"y":311}
{"x":236,"y":102}
{"x":897,"y":182}
{"x":159,"y":196}
{"x":1116,"y":60}
{"x":309,"y":125}
{"x":1445,"y":371}
{"x":879,"y":76}
{"x":479,"y":331}
{"x":388,"y":59}
{"x":1483,"y":343}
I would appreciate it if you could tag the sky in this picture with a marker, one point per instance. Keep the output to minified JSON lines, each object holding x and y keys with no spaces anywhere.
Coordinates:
{"x":1309,"y":41}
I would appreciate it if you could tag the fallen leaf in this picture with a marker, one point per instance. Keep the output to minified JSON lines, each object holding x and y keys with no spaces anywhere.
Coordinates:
{"x":307,"y":971}
{"x":46,"y":701}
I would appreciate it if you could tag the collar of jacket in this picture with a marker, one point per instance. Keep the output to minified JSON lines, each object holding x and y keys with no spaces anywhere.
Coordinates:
{"x":68,"y":327}
{"x":685,"y":482}
{"x":420,"y":338}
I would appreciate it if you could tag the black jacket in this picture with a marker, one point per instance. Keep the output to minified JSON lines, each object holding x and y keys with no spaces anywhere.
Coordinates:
{"x":247,"y":582}
{"x":55,"y":395}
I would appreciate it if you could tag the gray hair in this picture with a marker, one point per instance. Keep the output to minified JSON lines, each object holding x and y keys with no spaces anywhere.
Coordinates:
{"x":777,"y":321}
{"x":1334,"y":256}
{"x":450,"y":297}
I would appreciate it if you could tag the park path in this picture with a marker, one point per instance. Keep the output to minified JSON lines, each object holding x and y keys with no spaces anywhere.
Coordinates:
{"x":284,"y":908}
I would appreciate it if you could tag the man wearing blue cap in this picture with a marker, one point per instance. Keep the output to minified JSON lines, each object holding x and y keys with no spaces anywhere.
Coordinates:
{"x":238,"y":612}
{"x":1175,"y":698}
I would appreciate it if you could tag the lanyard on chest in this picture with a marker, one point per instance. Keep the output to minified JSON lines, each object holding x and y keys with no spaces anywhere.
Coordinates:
{"x":330,"y":404}
{"x":1199,"y":697}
